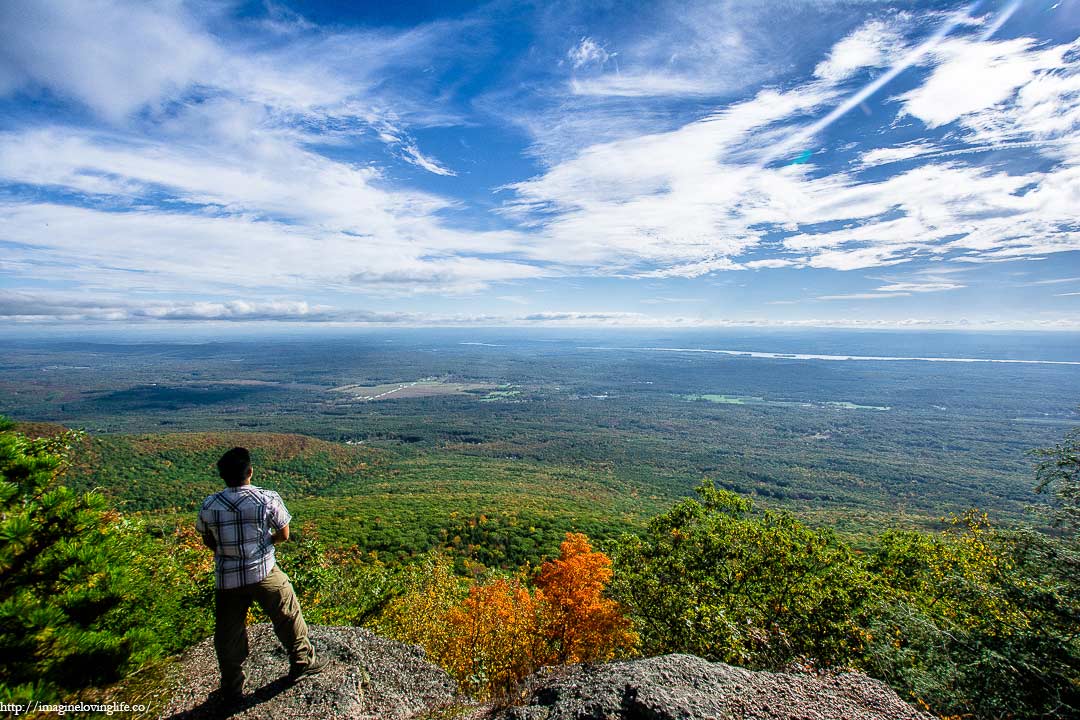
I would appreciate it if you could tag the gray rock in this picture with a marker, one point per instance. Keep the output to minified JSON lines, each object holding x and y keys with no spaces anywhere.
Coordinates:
{"x":684,"y":687}
{"x":372,"y":678}
{"x":368,"y":677}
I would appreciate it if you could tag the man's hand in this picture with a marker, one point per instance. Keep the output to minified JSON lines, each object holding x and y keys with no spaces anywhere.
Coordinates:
{"x":280,"y":536}
{"x":209,"y":541}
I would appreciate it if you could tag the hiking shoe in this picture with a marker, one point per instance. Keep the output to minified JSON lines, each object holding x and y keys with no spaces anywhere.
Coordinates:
{"x":317,"y":664}
{"x":228,"y":699}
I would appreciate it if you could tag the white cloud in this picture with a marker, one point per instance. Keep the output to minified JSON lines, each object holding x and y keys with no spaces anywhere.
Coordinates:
{"x":863,"y":296}
{"x":677,"y":300}
{"x":680,"y":199}
{"x":588,"y":52}
{"x":413,"y":155}
{"x":875,"y":44}
{"x":648,"y":84}
{"x":919,"y":287}
{"x":667,"y":198}
{"x":692,"y":49}
{"x":861,"y":258}
{"x":667,"y":51}
{"x":897,"y":289}
{"x":773,"y":263}
{"x":1054,"y":281}
{"x":973,"y":76}
{"x":697,"y":199}
{"x":69,"y":308}
{"x":122,"y":58}
{"x":205,"y":174}
{"x":881,"y":156}
{"x":55,"y":307}
{"x":181,"y":252}
{"x":692,"y":270}
{"x":228,"y":176}
{"x":85,"y":51}
{"x":266,"y":175}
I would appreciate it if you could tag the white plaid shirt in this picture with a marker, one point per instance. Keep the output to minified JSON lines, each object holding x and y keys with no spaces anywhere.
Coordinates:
{"x":242,"y":521}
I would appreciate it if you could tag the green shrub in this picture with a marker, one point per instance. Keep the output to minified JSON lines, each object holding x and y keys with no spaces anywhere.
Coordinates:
{"x":712,"y":578}
{"x":978,"y":622}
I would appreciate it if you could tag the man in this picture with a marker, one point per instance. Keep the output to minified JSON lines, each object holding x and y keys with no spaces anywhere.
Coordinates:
{"x":242,"y":524}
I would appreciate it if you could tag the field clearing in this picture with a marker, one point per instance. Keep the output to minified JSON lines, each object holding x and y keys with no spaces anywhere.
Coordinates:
{"x":415,"y":389}
{"x":756,"y":400}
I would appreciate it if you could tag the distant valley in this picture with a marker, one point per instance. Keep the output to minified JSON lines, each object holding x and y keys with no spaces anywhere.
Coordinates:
{"x":396,"y":441}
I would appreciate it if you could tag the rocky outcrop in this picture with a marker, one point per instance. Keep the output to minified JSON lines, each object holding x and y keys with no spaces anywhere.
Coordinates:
{"x":681,"y":687}
{"x":370,"y":677}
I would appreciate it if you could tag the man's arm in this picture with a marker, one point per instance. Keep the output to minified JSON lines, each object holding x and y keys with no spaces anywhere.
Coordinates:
{"x":279,"y":517}
{"x":203,"y":529}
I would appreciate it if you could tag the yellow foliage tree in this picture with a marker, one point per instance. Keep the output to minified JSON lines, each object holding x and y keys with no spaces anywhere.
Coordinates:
{"x":420,"y":615}
{"x":497,"y":636}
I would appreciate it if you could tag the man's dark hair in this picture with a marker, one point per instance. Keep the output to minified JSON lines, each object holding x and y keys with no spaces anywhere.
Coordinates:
{"x":234,"y":465}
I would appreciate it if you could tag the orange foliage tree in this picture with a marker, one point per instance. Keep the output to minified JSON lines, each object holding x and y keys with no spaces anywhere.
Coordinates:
{"x":503,"y":630}
{"x":581,"y":624}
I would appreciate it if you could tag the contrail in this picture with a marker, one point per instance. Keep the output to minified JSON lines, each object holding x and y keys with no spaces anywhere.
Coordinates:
{"x":1000,"y":20}
{"x":861,"y":96}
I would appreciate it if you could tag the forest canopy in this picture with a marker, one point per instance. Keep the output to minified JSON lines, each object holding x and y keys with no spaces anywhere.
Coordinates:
{"x":971,"y":620}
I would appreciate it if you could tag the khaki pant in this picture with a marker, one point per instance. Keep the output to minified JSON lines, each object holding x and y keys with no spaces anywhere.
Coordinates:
{"x":275,"y":596}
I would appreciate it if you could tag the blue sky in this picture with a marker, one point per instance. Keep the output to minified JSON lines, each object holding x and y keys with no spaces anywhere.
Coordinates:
{"x":682,"y":164}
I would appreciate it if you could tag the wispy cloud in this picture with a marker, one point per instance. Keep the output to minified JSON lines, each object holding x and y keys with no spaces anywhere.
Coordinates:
{"x":864,"y":296}
{"x":208,"y":153}
{"x":67,"y":309}
{"x":908,"y":151}
{"x":972,"y":76}
{"x":173,"y":148}
{"x":212,"y":253}
{"x":640,"y":85}
{"x":695,"y":199}
{"x":28,"y":307}
{"x":84,"y":52}
{"x":515,"y":299}
{"x":672,"y":300}
{"x":919,"y":287}
{"x":413,"y":155}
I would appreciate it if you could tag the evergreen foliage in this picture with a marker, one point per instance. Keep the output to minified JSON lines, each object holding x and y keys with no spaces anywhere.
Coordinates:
{"x":57,"y":584}
{"x":85,"y":594}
